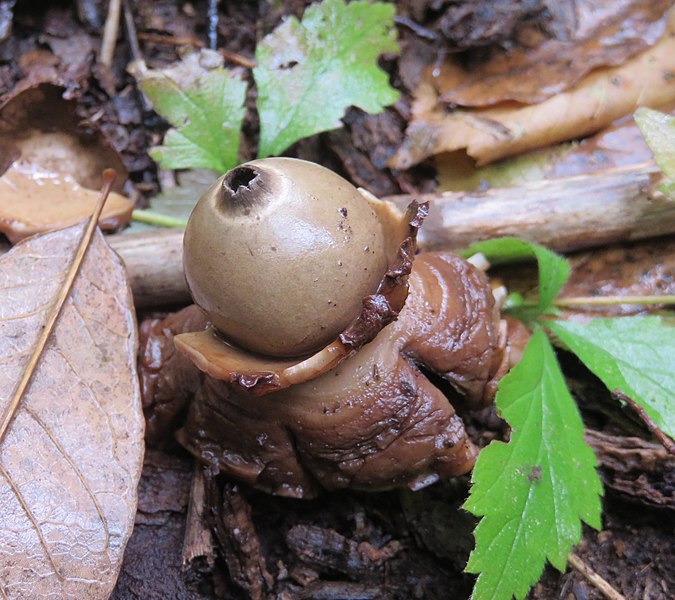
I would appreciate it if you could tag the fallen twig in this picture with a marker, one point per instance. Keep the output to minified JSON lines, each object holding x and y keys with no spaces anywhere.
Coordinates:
{"x":238,"y":59}
{"x":154,"y":260}
{"x":197,"y":541}
{"x":213,"y":24}
{"x":112,"y":23}
{"x":564,"y":214}
{"x":600,"y":583}
{"x":136,"y":54}
{"x":665,"y":441}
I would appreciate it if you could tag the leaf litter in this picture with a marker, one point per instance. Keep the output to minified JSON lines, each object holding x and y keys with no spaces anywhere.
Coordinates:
{"x":51,"y":167}
{"x":603,"y":34}
{"x":618,"y":145}
{"x":502,"y":130}
{"x":33,"y":200}
{"x":70,"y":459}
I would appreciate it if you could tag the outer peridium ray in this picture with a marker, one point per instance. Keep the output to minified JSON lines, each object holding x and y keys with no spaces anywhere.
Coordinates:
{"x":22,"y":385}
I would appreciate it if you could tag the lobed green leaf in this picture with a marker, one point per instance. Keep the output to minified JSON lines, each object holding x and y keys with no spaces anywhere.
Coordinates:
{"x":308,"y":73}
{"x":631,"y":354}
{"x":534,"y":491}
{"x":205,"y":105}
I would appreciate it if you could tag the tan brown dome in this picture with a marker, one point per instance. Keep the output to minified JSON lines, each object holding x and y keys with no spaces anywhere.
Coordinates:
{"x":280,"y":253}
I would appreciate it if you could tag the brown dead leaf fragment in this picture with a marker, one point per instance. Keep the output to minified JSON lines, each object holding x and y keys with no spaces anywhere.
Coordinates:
{"x":33,"y":200}
{"x":70,"y":460}
{"x":50,"y":166}
{"x":605,"y":34}
{"x":40,"y":127}
{"x":509,"y":128}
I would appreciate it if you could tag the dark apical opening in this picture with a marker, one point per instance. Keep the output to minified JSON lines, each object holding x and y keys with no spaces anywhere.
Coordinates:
{"x":240,"y":177}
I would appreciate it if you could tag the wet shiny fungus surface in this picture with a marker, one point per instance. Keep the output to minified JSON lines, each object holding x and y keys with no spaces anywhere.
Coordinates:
{"x":375,"y":421}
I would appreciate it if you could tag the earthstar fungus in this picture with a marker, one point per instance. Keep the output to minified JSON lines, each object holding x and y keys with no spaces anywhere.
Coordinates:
{"x":341,"y":397}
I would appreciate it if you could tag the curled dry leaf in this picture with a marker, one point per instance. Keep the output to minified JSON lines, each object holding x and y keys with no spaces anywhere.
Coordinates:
{"x":46,"y":156}
{"x":41,"y":127}
{"x":70,"y":460}
{"x":507,"y":129}
{"x":619,"y":145}
{"x":33,"y":200}
{"x":605,"y":34}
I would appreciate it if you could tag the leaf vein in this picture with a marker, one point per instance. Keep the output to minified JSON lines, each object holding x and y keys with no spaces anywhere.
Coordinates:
{"x":38,"y":531}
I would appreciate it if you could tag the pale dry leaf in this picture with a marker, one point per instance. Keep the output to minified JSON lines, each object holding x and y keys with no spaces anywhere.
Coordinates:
{"x":70,"y":461}
{"x":34,"y":199}
{"x":605,"y":34}
{"x":619,"y":145}
{"x":509,"y":128}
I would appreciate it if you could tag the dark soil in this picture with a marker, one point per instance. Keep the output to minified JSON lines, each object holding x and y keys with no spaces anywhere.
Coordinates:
{"x":348,"y":545}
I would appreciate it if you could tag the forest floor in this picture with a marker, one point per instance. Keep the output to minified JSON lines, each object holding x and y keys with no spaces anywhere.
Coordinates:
{"x":349,"y":545}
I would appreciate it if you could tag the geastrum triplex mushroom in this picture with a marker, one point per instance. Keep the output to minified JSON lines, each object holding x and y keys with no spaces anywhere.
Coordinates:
{"x":319,"y":339}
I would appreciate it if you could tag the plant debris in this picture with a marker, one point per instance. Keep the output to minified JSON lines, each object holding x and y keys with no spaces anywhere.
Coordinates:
{"x":540,"y":66}
{"x":33,"y":200}
{"x":488,"y":134}
{"x":71,"y":458}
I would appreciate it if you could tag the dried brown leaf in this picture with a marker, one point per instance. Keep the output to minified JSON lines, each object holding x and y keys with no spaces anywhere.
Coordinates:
{"x":39,"y":126}
{"x":70,"y":461}
{"x":34,"y":200}
{"x":605,"y":34}
{"x":508,"y":129}
{"x":619,"y":145}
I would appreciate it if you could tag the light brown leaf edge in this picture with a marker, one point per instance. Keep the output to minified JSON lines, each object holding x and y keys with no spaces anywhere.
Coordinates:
{"x":50,"y":165}
{"x":70,"y":460}
{"x":508,"y":129}
{"x":34,"y":200}
{"x":619,"y":145}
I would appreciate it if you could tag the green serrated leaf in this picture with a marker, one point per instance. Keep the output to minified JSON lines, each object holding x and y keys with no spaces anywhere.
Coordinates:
{"x":658,"y":130}
{"x":632,"y":354}
{"x":553,"y":268}
{"x":309,"y":72}
{"x":205,"y":105}
{"x":534,"y":491}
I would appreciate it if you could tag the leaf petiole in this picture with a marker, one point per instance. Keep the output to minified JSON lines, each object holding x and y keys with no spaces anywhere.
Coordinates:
{"x":606,"y":300}
{"x":613,"y":300}
{"x":152,"y":217}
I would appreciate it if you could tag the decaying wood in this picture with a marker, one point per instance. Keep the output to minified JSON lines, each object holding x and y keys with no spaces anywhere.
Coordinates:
{"x":564,"y":214}
{"x":154,"y":260}
{"x":238,"y":539}
{"x":326,"y":549}
{"x":640,"y":470}
{"x":198,"y":541}
{"x":344,"y":590}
